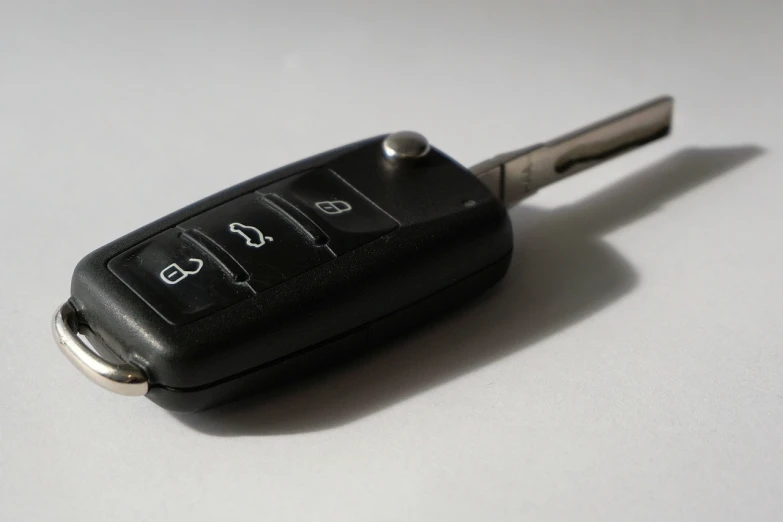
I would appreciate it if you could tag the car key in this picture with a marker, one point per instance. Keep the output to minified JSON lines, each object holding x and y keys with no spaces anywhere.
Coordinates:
{"x":290,"y":271}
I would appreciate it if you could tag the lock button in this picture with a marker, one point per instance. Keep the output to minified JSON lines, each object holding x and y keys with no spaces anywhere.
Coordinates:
{"x":332,"y":208}
{"x":349,"y":219}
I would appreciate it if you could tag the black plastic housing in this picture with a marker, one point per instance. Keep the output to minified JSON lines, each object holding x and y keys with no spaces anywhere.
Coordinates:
{"x":453,"y":241}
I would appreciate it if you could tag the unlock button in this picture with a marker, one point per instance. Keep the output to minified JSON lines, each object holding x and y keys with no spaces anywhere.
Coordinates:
{"x":176,"y":280}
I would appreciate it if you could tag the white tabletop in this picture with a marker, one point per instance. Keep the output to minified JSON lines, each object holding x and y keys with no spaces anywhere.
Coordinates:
{"x":629,"y":367}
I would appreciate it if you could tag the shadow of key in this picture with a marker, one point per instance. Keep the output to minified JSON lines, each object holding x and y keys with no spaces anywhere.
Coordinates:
{"x":561,"y":272}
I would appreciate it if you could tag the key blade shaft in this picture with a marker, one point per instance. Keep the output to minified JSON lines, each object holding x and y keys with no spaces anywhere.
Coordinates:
{"x":518,"y":174}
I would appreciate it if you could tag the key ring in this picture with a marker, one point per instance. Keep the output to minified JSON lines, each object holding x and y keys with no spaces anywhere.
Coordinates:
{"x":124,"y":378}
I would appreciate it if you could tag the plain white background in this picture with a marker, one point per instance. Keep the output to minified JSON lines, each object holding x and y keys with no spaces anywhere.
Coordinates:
{"x":630,"y":366}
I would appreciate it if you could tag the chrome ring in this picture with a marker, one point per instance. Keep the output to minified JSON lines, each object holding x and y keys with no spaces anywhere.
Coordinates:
{"x":124,"y":378}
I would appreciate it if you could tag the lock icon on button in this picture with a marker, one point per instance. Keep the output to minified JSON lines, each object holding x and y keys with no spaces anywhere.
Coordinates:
{"x":337,"y":206}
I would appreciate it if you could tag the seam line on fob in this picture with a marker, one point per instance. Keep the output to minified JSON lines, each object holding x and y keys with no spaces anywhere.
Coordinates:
{"x":296,"y":217}
{"x":207,"y":247}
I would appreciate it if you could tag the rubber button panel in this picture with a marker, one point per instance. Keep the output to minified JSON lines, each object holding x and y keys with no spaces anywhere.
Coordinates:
{"x":268,"y":243}
{"x":349,"y":219}
{"x":175,"y":279}
{"x":250,"y":244}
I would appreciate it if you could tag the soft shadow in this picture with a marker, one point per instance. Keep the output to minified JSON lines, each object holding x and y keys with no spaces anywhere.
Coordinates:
{"x":561,"y":272}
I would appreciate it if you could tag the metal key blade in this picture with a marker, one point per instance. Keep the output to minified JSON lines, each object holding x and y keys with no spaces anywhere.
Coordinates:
{"x":516,"y":175}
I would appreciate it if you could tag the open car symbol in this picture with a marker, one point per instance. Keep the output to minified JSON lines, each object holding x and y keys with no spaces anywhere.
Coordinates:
{"x":252,"y":236}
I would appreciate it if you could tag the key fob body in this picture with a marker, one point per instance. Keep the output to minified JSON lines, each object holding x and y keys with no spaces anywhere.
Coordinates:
{"x":290,"y":271}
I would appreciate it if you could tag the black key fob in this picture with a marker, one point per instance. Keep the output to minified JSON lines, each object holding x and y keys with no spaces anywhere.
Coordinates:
{"x":289,"y":271}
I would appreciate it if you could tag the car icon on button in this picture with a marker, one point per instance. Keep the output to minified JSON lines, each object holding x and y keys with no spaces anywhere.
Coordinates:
{"x":252,"y":236}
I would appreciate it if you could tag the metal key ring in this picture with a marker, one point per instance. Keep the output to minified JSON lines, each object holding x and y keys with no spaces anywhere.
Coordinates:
{"x":123,"y":378}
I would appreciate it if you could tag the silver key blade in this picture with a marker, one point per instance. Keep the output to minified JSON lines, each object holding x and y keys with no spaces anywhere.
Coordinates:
{"x":516,"y":175}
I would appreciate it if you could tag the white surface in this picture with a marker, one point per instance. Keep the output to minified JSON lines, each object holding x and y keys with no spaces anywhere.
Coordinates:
{"x":630,"y":367}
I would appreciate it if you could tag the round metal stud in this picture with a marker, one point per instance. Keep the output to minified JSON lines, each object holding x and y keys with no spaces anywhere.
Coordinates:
{"x":405,"y":145}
